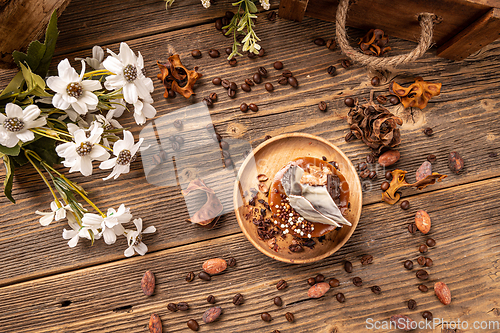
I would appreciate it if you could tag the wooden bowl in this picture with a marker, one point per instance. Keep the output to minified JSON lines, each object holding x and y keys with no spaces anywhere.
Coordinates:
{"x":268,"y":158}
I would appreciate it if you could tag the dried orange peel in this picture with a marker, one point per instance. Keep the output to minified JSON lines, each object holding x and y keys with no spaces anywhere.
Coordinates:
{"x":176,"y":77}
{"x":417,"y":94}
{"x":398,"y":181}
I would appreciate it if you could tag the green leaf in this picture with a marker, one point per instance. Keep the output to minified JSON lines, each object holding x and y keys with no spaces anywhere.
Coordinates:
{"x":252,"y":7}
{"x":9,"y":178}
{"x":13,"y":87}
{"x":14,"y":151}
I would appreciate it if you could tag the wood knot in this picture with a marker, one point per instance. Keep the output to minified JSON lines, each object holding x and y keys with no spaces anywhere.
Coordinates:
{"x":235,"y":130}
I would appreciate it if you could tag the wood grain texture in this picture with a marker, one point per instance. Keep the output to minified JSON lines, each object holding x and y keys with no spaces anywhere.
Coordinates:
{"x":463,"y":118}
{"x":108,"y":297}
{"x":293,"y":9}
{"x":473,"y":38}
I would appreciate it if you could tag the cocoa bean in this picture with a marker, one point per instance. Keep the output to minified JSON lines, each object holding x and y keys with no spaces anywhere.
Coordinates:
{"x":148,"y":283}
{"x":318,"y":290}
{"x":212,"y":314}
{"x":214,"y":266}
{"x":442,"y":292}
{"x":423,"y":221}
{"x":155,"y":324}
{"x":389,"y":158}
{"x":455,"y":162}
{"x":424,"y":170}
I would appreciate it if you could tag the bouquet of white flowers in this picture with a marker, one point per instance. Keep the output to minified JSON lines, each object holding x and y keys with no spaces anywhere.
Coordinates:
{"x":72,"y":118}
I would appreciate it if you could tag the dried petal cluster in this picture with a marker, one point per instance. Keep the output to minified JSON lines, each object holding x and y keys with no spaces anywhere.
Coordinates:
{"x":417,"y":94}
{"x":374,"y":43}
{"x":398,"y":181}
{"x":177,"y":78}
{"x":375,"y":125}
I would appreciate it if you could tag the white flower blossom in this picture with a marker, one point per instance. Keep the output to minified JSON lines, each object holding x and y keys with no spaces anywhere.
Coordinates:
{"x":127,"y":68}
{"x":79,"y":154}
{"x":118,"y":108}
{"x":134,"y":239}
{"x":265,"y":4}
{"x":109,"y":226}
{"x":57,"y":213}
{"x":205,"y":3}
{"x":97,"y":57}
{"x":71,"y":90}
{"x":16,"y":124}
{"x":76,"y":231}
{"x":143,"y":110}
{"x":125,"y":151}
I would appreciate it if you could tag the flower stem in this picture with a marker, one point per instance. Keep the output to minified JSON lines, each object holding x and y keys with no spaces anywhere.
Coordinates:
{"x":97,"y":72}
{"x":26,"y":153}
{"x":42,"y":132}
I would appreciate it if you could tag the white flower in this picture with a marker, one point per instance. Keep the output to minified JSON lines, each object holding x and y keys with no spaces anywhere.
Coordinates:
{"x":71,"y":90}
{"x":97,"y":57}
{"x":76,"y":231}
{"x":127,"y":68}
{"x":16,"y":124}
{"x":118,"y":106}
{"x":57,"y":213}
{"x":110,"y":226}
{"x":134,"y":239}
{"x":143,"y":110}
{"x":205,"y":3}
{"x":265,"y":4}
{"x":79,"y":155}
{"x":125,"y":151}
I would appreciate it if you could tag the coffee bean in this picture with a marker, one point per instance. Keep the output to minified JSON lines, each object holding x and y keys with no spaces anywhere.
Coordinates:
{"x":229,"y":50}
{"x":412,"y":228}
{"x":224,"y":31}
{"x":218,"y":24}
{"x":229,"y":14}
{"x":381,"y":99}
{"x":372,"y":175}
{"x":365,"y":173}
{"x":238,"y":299}
{"x":394,"y":100}
{"x":262,"y":52}
{"x":345,"y":63}
{"x":225,"y":83}
{"x":208,"y":101}
{"x":271,"y":16}
{"x":430,"y":242}
{"x":276,"y":331}
{"x":262,"y":71}
{"x":370,"y":159}
{"x":331,"y":70}
{"x":245,"y":87}
{"x":405,"y":204}
{"x":319,"y":278}
{"x":334,"y":283}
{"x":213,"y":53}
{"x":282,"y":284}
{"x":217,"y":81}
{"x":204,"y":276}
{"x":428,"y":131}
{"x":384,"y":186}
{"x":210,"y":128}
{"x":408,"y":264}
{"x":196,"y":53}
{"x":283,"y":81}
{"x":231,"y":262}
{"x":422,"y":275}
{"x":233,"y":62}
{"x":340,"y":297}
{"x":362,"y":166}
{"x":412,"y":305}
{"x":266,"y":317}
{"x":253,"y":107}
{"x":231,"y":93}
{"x":322,"y":106}
{"x":171,"y":94}
{"x":421,"y":261}
{"x":213,"y":96}
{"x":376,"y":290}
{"x":278,"y":301}
{"x":249,"y":82}
{"x":257,"y":78}
{"x":269,"y":87}
{"x":183,"y":306}
{"x":388,"y":175}
{"x":278,"y":65}
{"x":289,"y":317}
{"x":233,"y":86}
{"x":179,"y":139}
{"x":177,"y":123}
{"x":172,"y":307}
{"x":349,"y":101}
{"x":228,"y":162}
{"x":431,"y":158}
{"x":224,"y":145}
{"x":190,"y":277}
{"x":193,"y":324}
{"x":330,"y":44}
{"x":216,"y":137}
{"x":211,"y":299}
{"x":226,"y":154}
{"x":423,"y":248}
{"x":319,"y":41}
{"x":357,"y":281}
{"x":428,"y":262}
{"x":366,"y":259}
{"x":375,"y":81}
{"x":423,"y":288}
{"x":251,"y":55}
{"x":293,"y":82}
{"x":348,"y":266}
{"x":427,"y":315}
{"x":171,"y":138}
{"x":267,"y":137}
{"x":243,"y":107}
{"x":286,"y":73}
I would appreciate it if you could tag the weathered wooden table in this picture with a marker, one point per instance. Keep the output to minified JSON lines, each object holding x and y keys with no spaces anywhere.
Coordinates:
{"x":47,"y":287}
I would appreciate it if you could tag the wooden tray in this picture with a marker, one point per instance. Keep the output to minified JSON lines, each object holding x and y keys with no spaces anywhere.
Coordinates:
{"x":268,"y":158}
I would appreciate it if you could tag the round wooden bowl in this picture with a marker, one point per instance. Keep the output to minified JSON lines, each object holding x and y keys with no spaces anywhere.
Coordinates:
{"x":268,"y":158}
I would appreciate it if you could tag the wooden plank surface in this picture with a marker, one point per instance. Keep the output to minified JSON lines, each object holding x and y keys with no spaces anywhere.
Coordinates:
{"x":108,"y":298}
{"x":468,"y":99}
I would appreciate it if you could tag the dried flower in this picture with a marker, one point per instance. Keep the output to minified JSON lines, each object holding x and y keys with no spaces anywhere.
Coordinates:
{"x":417,"y":94}
{"x":398,"y":181}
{"x":374,"y":43}
{"x":16,"y":124}
{"x":134,"y":239}
{"x":125,"y":151}
{"x":176,"y":77}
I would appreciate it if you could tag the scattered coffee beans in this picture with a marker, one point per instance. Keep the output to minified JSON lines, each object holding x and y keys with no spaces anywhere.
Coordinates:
{"x":286,"y":73}
{"x":196,"y":53}
{"x":408,"y":264}
{"x":249,"y":82}
{"x":376,"y":290}
{"x":384,"y":186}
{"x":428,"y":131}
{"x":330,"y":44}
{"x":269,"y":87}
{"x":412,"y":305}
{"x":224,"y":145}
{"x":231,"y":262}
{"x":232,"y":62}
{"x":278,"y":65}
{"x":190,"y":277}
{"x":278,"y":301}
{"x":211,"y":299}
{"x":193,"y":325}
{"x":423,"y":288}
{"x":172,"y":307}
{"x":231,"y":93}
{"x":412,"y":228}
{"x":281,"y":285}
{"x":349,"y":101}
{"x":213,"y":53}
{"x":334,"y":283}
{"x":357,"y":281}
{"x":253,"y":107}
{"x":213,"y":97}
{"x":257,"y":78}
{"x":322,"y":106}
{"x":283,"y":81}
{"x":204,"y":276}
{"x":238,"y":299}
{"x":262,"y":52}
{"x":427,"y":315}
{"x":348,"y":266}
{"x":183,"y":306}
{"x":394,"y":100}
{"x":423,"y":248}
{"x":319,"y":41}
{"x":421,"y":261}
{"x":233,"y":86}
{"x":422,"y":275}
{"x":311,"y":281}
{"x":289,"y":317}
{"x":293,"y":82}
{"x":225,"y":83}
{"x":262,"y":71}
{"x":388,"y":175}
{"x":331,"y":70}
{"x":218,"y":24}
{"x":319,"y":278}
{"x":266,"y":317}
{"x":340,"y":297}
{"x":431,"y":158}
{"x":345,"y":63}
{"x":428,"y":262}
{"x":375,"y":81}
{"x":430,"y":242}
{"x":245,"y":87}
{"x":243,"y":107}
{"x":366,"y":259}
{"x":405,"y":204}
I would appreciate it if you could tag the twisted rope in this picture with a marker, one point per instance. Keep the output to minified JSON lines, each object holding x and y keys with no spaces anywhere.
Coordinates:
{"x":377,"y":63}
